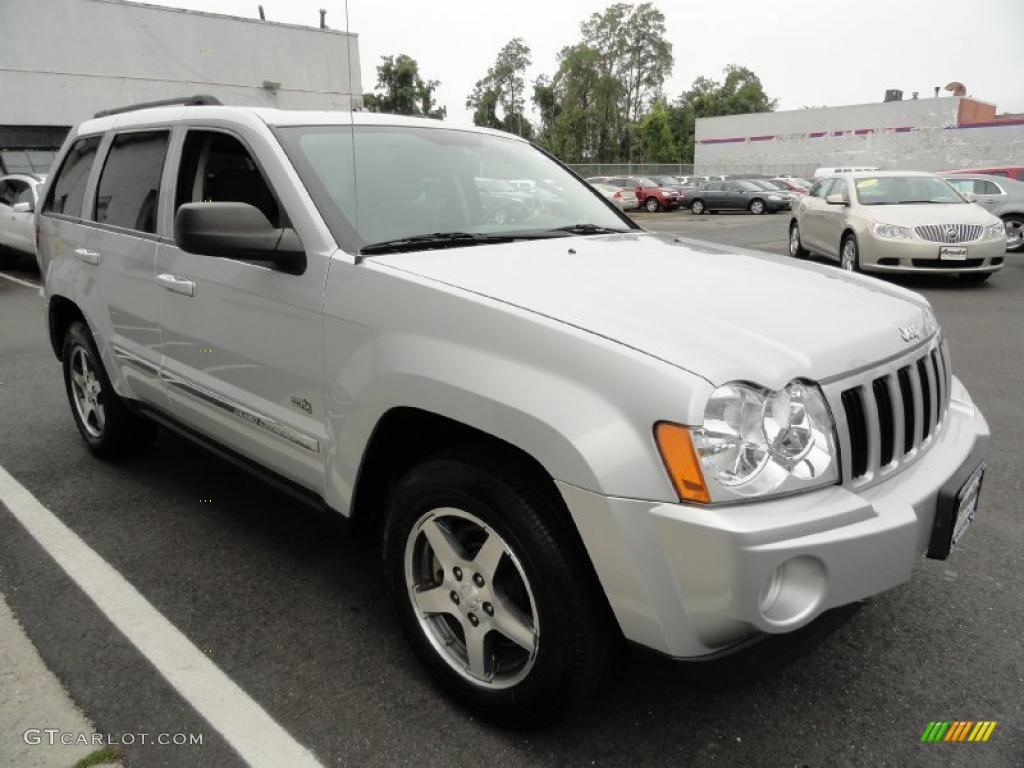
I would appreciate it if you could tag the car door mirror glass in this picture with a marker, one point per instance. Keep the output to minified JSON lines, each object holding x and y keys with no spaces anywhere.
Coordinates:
{"x":237,"y":231}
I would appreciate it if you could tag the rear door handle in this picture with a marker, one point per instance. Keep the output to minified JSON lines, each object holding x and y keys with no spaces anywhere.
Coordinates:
{"x":89,"y":257}
{"x":176,"y":284}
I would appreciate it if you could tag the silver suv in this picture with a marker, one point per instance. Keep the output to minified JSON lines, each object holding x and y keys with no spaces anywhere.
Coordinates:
{"x":569,"y":430}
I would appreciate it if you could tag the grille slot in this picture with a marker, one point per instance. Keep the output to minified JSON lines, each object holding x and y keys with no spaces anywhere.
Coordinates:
{"x":926,"y":400}
{"x":857,"y":425}
{"x":886,"y":425}
{"x":949,"y":233}
{"x":907,"y":396}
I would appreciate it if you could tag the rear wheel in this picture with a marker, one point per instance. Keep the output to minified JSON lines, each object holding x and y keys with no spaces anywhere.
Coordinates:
{"x":849,"y":255}
{"x":1014,"y":223}
{"x":109,"y":428}
{"x":494,"y":590}
{"x":796,"y":247}
{"x":651,"y":204}
{"x":697,"y":207}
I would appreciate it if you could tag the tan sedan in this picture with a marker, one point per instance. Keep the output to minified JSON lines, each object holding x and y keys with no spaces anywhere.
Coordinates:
{"x":897,"y":221}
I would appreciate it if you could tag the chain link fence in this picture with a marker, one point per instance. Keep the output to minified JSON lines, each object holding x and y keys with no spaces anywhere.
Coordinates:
{"x":586,"y":170}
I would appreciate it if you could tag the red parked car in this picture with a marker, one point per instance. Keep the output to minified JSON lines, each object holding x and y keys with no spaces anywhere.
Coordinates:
{"x":792,"y":185}
{"x":650,"y":195}
{"x":1009,"y":171}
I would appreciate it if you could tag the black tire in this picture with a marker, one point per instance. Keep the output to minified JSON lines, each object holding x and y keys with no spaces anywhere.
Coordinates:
{"x":757,"y":206}
{"x":849,"y":239}
{"x":697,"y":207}
{"x":796,"y":245}
{"x":577,"y":637}
{"x":7,"y":258}
{"x":974,"y":278}
{"x":651,"y":204}
{"x":1016,"y":222}
{"x":121,"y":432}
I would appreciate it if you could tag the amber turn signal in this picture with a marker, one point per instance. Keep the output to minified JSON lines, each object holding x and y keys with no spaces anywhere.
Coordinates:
{"x":681,"y":461}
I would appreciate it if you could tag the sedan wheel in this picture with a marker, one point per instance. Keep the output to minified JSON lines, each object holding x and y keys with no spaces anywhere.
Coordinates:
{"x":849,"y":259}
{"x":651,"y":205}
{"x":757,"y":207}
{"x":796,"y":248}
{"x":1014,"y":232}
{"x":697,"y":208}
{"x":477,"y":611}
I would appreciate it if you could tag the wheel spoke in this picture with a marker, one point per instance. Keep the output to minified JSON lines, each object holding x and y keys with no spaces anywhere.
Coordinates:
{"x":100,"y":416}
{"x":446,"y":550}
{"x":488,"y":556}
{"x":434,"y":600}
{"x":475,"y":654}
{"x":79,"y":380}
{"x":510,"y":622}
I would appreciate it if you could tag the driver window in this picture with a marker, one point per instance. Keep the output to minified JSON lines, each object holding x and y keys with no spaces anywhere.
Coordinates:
{"x":217,"y":168}
{"x":839,"y":188}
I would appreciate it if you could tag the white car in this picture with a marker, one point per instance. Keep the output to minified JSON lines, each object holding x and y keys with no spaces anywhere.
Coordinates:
{"x":621,"y":197}
{"x":19,"y":195}
{"x":571,"y":431}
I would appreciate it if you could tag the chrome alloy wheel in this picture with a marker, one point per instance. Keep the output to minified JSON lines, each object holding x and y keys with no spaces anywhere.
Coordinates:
{"x":87,"y":391}
{"x":848,"y":260}
{"x":794,"y":240}
{"x":1014,"y":233}
{"x":472,"y":598}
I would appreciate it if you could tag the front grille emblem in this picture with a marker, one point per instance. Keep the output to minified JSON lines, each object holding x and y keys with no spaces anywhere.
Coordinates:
{"x":909,"y":332}
{"x":950,"y":232}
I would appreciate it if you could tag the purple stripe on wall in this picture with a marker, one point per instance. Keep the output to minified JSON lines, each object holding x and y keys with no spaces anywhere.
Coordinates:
{"x":903,"y":129}
{"x":722,"y":141}
{"x":761,"y":138}
{"x":817,"y":134}
{"x":862,"y":131}
{"x":838,"y":133}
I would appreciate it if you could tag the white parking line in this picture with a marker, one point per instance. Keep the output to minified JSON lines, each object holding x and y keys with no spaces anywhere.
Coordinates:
{"x":19,"y":281}
{"x":243,"y":723}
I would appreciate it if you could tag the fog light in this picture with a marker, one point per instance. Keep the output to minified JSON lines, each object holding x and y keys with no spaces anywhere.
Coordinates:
{"x":793,"y":591}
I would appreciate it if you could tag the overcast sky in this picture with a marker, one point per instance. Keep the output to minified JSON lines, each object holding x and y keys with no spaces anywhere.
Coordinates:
{"x":806,"y":52}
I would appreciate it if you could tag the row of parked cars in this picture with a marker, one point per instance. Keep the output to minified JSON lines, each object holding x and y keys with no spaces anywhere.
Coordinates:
{"x":702,"y":194}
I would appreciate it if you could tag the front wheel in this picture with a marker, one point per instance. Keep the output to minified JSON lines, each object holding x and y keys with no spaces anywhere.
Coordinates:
{"x":494,"y":590}
{"x":109,"y":428}
{"x":757,"y":207}
{"x":796,"y":247}
{"x":697,"y":207}
{"x":651,"y":204}
{"x":1014,"y":224}
{"x":849,"y":255}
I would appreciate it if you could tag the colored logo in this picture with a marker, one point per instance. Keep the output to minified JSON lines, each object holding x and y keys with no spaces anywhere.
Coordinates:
{"x":959,"y":730}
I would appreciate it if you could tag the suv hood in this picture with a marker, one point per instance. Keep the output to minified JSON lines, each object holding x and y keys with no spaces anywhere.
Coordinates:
{"x":723,"y":314}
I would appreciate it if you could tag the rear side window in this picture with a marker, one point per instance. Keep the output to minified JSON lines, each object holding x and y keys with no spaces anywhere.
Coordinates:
{"x":68,"y":190}
{"x":129,"y":190}
{"x":986,"y":187}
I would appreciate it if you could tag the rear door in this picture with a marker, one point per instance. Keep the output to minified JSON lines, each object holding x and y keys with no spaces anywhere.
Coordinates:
{"x":242,"y":340}
{"x":833,"y":218}
{"x":733,"y":197}
{"x":713,"y":194}
{"x":811,"y":219}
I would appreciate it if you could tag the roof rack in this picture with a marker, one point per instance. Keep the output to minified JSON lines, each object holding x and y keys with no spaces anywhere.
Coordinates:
{"x":184,"y":101}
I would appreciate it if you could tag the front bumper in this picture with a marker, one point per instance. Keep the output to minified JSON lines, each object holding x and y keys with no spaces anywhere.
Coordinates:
{"x":687,"y":580}
{"x":888,"y":255}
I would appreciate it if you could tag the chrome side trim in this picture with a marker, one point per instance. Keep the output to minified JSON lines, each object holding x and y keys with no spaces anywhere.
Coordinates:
{"x":266,"y":423}
{"x":124,"y":356}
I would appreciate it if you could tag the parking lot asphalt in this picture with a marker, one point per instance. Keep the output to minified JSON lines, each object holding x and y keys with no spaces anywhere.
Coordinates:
{"x":293,"y":609}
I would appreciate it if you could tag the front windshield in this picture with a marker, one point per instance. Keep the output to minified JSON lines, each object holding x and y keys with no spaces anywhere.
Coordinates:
{"x":900,"y":190}
{"x":770,"y":186}
{"x":408,"y":181}
{"x":646,"y":182}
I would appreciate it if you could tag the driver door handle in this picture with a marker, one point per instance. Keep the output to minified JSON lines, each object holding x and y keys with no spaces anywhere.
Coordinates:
{"x":89,"y":257}
{"x":177,"y":284}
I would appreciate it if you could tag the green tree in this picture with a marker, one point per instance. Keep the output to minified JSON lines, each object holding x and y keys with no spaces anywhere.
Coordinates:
{"x":503,"y":87}
{"x":740,"y":93}
{"x":401,"y":91}
{"x":655,"y":134}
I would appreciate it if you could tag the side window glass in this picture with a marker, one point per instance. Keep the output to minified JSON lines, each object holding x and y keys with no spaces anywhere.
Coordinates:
{"x":839,"y":188}
{"x":963,"y":186}
{"x":217,"y":168}
{"x":68,"y":190}
{"x":24,"y":195}
{"x":821,"y":188}
{"x":129,"y":190}
{"x":986,"y":187}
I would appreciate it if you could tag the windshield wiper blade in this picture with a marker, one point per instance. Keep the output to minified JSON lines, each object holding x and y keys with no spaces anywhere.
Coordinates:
{"x":433,"y":240}
{"x":589,"y":229}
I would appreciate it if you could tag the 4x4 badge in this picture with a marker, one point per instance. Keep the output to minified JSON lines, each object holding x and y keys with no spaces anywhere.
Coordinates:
{"x":909,"y":332}
{"x":303,"y":403}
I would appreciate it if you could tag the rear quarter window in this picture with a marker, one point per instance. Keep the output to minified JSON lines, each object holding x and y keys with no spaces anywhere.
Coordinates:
{"x":68,"y":189}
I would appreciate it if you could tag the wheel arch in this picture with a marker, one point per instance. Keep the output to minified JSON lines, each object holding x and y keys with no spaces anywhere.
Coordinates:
{"x":61,"y":313}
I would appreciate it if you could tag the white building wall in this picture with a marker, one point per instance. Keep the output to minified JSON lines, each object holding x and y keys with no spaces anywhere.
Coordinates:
{"x":920,"y":134}
{"x":63,"y":60}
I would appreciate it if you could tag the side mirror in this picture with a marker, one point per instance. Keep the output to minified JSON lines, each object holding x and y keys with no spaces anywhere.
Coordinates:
{"x":835,"y":200}
{"x":26,"y":207}
{"x":970,"y":197}
{"x":237,"y":231}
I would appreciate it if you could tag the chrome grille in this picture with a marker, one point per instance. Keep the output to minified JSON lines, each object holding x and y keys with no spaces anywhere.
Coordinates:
{"x":949,"y":233}
{"x":888,"y":416}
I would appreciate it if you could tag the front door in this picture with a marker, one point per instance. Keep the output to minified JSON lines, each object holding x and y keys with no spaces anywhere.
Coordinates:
{"x":243,"y":341}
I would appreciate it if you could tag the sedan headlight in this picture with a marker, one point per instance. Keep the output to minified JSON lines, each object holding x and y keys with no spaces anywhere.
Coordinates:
{"x":890,"y":231}
{"x":753,"y":442}
{"x":774,"y":197}
{"x":995,"y":231}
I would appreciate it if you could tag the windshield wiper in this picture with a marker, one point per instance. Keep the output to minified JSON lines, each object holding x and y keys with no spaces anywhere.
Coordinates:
{"x":589,"y":229}
{"x":433,"y":240}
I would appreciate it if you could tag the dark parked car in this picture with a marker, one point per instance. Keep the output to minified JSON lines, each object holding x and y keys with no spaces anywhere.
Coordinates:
{"x":715,"y":196}
{"x":651,"y":195}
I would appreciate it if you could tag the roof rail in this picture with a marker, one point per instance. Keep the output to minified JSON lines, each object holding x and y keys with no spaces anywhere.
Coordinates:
{"x":184,"y":101}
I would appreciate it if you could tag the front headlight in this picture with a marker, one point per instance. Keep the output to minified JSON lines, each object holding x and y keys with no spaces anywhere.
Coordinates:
{"x":755,"y":442}
{"x":995,"y":231}
{"x":890,"y":231}
{"x":774,"y":197}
